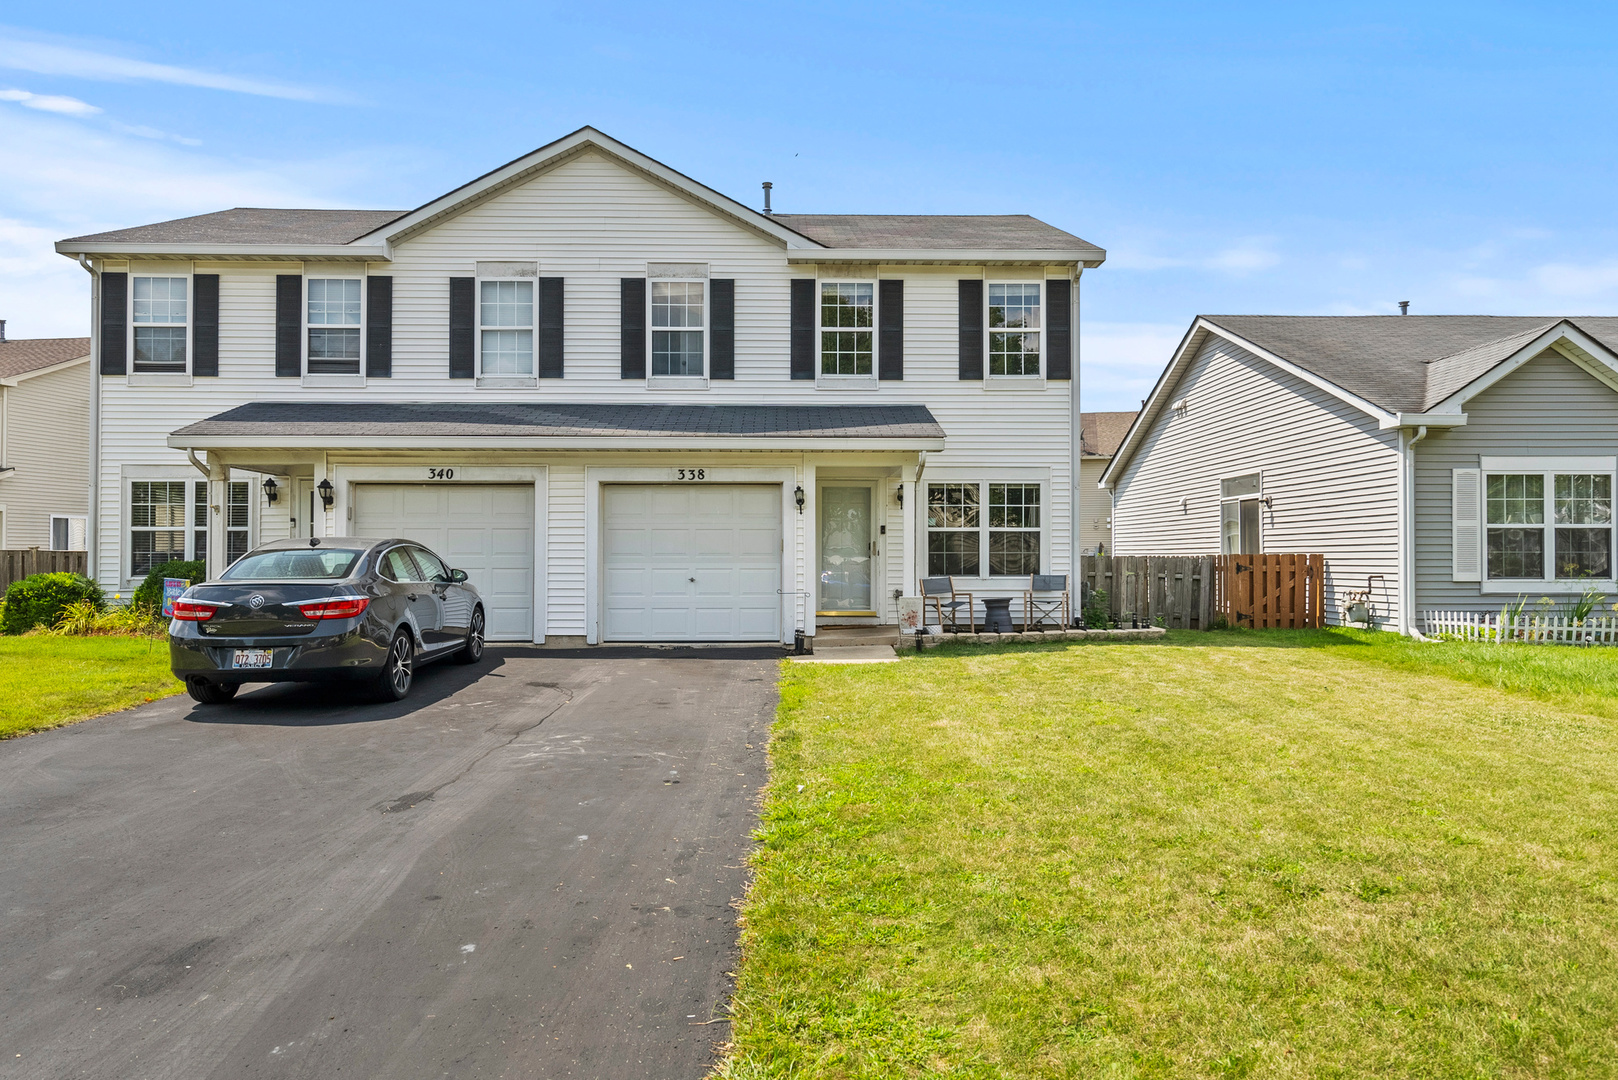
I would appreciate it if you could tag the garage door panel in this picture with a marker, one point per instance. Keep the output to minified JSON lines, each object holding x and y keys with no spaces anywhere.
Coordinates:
{"x":485,"y":529}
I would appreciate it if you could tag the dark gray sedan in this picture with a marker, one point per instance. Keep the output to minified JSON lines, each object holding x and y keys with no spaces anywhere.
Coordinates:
{"x":325,"y":608}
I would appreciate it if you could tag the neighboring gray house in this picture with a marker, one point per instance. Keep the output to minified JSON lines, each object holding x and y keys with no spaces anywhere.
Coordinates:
{"x":1099,"y":436}
{"x":1444,"y":461}
{"x":44,"y":442}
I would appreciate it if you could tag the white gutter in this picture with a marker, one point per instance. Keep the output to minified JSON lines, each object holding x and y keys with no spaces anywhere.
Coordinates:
{"x":1407,"y":528}
{"x":172,"y":250}
{"x":530,"y":442}
{"x":92,"y":531}
{"x":1423,"y":419}
{"x":1085,"y":257}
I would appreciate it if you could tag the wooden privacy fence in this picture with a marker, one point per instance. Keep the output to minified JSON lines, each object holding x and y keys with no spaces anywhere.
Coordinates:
{"x":18,"y":563}
{"x":1192,"y":592}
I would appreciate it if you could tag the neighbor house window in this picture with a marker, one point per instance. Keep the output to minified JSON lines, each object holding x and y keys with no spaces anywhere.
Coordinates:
{"x":1549,"y":525}
{"x":157,"y":523}
{"x":334,"y":326}
{"x":1013,"y":529}
{"x":1014,"y":329}
{"x":678,"y":321}
{"x":1239,"y":514}
{"x":847,"y":319}
{"x":160,"y":328}
{"x":506,"y":317}
{"x":67,"y":532}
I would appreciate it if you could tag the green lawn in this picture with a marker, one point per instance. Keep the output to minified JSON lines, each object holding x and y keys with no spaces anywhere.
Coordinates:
{"x":47,"y":681}
{"x":1297,"y":855}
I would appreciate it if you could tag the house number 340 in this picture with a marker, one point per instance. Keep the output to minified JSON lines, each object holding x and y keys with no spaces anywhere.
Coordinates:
{"x":692,"y":474}
{"x":440,"y":474}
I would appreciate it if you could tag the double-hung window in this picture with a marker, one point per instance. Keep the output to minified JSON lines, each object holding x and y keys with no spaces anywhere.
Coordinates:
{"x":1548,"y":526}
{"x":679,"y":328}
{"x":847,"y":328}
{"x":1014,"y":324}
{"x":169,"y":522}
{"x":334,"y":326}
{"x":959,"y":531}
{"x":506,"y":325}
{"x":159,"y":316}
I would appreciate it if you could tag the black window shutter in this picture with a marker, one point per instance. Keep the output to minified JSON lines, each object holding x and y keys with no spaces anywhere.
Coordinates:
{"x":632,"y":328}
{"x":204,"y":325}
{"x":971,"y":338}
{"x":550,"y":328}
{"x":803,"y":328}
{"x":379,"y":328}
{"x":722,"y":325}
{"x":1059,"y":332}
{"x":288,"y":326}
{"x":462,"y":311}
{"x":114,"y":324}
{"x":890,"y":333}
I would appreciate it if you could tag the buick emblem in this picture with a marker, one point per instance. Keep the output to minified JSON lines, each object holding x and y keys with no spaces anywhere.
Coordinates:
{"x":255,"y":601}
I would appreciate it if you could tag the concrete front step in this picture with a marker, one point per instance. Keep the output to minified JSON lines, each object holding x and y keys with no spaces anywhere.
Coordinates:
{"x":850,"y":654}
{"x":835,"y":637}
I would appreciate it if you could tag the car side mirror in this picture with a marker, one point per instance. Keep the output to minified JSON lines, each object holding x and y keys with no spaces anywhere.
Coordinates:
{"x":457,"y":575}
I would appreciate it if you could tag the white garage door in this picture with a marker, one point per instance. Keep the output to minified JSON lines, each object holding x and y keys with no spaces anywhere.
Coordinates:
{"x":485,"y":529}
{"x":699,"y":562}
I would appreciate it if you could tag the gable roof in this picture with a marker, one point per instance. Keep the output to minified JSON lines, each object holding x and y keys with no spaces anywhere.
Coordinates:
{"x":1101,"y":433}
{"x":252,"y":225}
{"x":932,"y":231}
{"x":33,"y":354}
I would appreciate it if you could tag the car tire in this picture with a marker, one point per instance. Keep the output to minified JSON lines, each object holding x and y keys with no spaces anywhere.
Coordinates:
{"x":399,"y":669}
{"x":472,"y":651}
{"x":210,"y":693}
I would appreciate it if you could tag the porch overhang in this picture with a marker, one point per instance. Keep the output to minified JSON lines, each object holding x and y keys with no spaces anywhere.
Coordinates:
{"x":510,"y":426}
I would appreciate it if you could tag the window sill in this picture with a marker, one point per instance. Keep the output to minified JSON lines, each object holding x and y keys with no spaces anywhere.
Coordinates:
{"x":503,"y":382}
{"x":846,"y":382}
{"x":333,"y":380}
{"x":1013,"y":382}
{"x":1531,"y":587}
{"x":159,"y":378}
{"x":676,"y":382}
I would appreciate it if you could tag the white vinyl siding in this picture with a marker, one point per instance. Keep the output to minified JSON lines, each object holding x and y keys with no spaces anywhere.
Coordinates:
{"x":1331,"y":474}
{"x":45,"y":437}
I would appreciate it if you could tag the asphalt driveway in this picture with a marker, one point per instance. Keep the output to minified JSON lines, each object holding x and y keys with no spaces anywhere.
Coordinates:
{"x":525,"y":870}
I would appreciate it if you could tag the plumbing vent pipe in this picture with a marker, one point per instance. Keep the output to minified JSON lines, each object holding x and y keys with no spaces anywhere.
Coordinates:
{"x":767,"y":187}
{"x":1404,"y":307}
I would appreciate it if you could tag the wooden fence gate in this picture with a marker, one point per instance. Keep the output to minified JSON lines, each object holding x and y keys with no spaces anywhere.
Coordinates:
{"x":1275,"y":591}
{"x":18,"y":563}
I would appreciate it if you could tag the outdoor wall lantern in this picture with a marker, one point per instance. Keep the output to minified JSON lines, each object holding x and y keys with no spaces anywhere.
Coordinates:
{"x":1268,"y":501}
{"x":272,"y":490}
{"x":326,"y":495}
{"x":797,"y":497}
{"x":899,"y":492}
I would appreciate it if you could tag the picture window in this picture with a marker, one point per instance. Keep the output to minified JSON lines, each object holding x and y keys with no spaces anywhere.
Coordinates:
{"x":1548,"y":526}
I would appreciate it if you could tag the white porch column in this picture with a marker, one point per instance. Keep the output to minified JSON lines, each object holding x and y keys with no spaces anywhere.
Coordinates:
{"x":218,"y":474}
{"x":811,"y":548}
{"x":907,"y":495}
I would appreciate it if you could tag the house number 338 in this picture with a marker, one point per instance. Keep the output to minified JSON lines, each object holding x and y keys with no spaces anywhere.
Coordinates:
{"x":692,"y":474}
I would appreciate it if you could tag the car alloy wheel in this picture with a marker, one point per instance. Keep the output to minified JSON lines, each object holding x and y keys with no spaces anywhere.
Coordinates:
{"x":400,"y":667}
{"x":472,"y":651}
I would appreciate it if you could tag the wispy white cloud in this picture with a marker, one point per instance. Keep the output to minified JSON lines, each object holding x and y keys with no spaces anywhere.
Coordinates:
{"x":1573,"y":281}
{"x":141,"y":131}
{"x":55,"y":103}
{"x":50,"y":58}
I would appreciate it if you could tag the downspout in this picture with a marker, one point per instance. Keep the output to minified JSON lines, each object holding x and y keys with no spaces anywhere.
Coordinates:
{"x":197,"y":464}
{"x":1075,"y":449}
{"x":1407,"y":532}
{"x":92,"y":526}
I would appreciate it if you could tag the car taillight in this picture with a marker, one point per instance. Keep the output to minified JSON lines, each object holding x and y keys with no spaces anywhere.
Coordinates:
{"x":344,"y":608}
{"x":192,"y":611}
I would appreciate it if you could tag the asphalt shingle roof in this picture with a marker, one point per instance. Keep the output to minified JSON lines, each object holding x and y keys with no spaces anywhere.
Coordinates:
{"x":253,"y":225}
{"x":994,"y":231}
{"x":30,"y":354}
{"x":547,"y":420}
{"x":1101,"y":433}
{"x":1402,"y":362}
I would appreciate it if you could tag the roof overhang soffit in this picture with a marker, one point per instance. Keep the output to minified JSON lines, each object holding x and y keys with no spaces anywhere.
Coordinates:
{"x":1195,"y":338}
{"x":1564,"y":338}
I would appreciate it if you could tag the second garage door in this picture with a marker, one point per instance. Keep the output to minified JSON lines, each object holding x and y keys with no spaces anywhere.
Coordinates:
{"x":485,"y":529}
{"x":699,"y":562}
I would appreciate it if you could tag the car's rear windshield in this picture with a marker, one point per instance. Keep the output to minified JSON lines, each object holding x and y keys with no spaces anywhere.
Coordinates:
{"x":299,"y":564}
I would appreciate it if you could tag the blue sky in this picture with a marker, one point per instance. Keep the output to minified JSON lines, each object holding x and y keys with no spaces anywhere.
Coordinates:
{"x":1274,"y":158}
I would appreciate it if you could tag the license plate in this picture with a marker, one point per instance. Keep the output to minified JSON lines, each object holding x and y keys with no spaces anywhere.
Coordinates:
{"x":251,"y":658}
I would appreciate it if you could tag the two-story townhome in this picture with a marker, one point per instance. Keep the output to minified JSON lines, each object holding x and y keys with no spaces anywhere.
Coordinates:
{"x":631,"y":408}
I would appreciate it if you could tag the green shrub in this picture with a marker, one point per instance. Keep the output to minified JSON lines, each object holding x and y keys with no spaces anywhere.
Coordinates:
{"x":38,"y":600}
{"x":150,"y":593}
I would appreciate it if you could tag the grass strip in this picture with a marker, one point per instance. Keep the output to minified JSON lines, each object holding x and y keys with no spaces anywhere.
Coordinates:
{"x":47,"y":681}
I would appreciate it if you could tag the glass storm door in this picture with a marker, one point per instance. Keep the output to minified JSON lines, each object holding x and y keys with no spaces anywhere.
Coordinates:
{"x":847,"y":550}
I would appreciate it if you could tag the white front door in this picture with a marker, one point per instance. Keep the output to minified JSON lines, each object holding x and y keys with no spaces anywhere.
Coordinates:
{"x":691,"y":562}
{"x":485,"y":529}
{"x":848,"y":550}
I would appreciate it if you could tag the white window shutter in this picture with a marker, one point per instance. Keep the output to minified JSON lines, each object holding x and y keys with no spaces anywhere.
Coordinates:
{"x":1466,"y":516}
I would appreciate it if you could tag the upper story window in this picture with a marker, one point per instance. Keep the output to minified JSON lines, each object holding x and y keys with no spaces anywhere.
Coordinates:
{"x":847,"y":322}
{"x":160,"y":324}
{"x":1014,"y":328}
{"x":1548,"y":525}
{"x":506,"y":319}
{"x":334,"y":326}
{"x":679,"y":324}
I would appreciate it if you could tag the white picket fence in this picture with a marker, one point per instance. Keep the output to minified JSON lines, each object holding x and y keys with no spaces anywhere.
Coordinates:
{"x":1526,"y":628}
